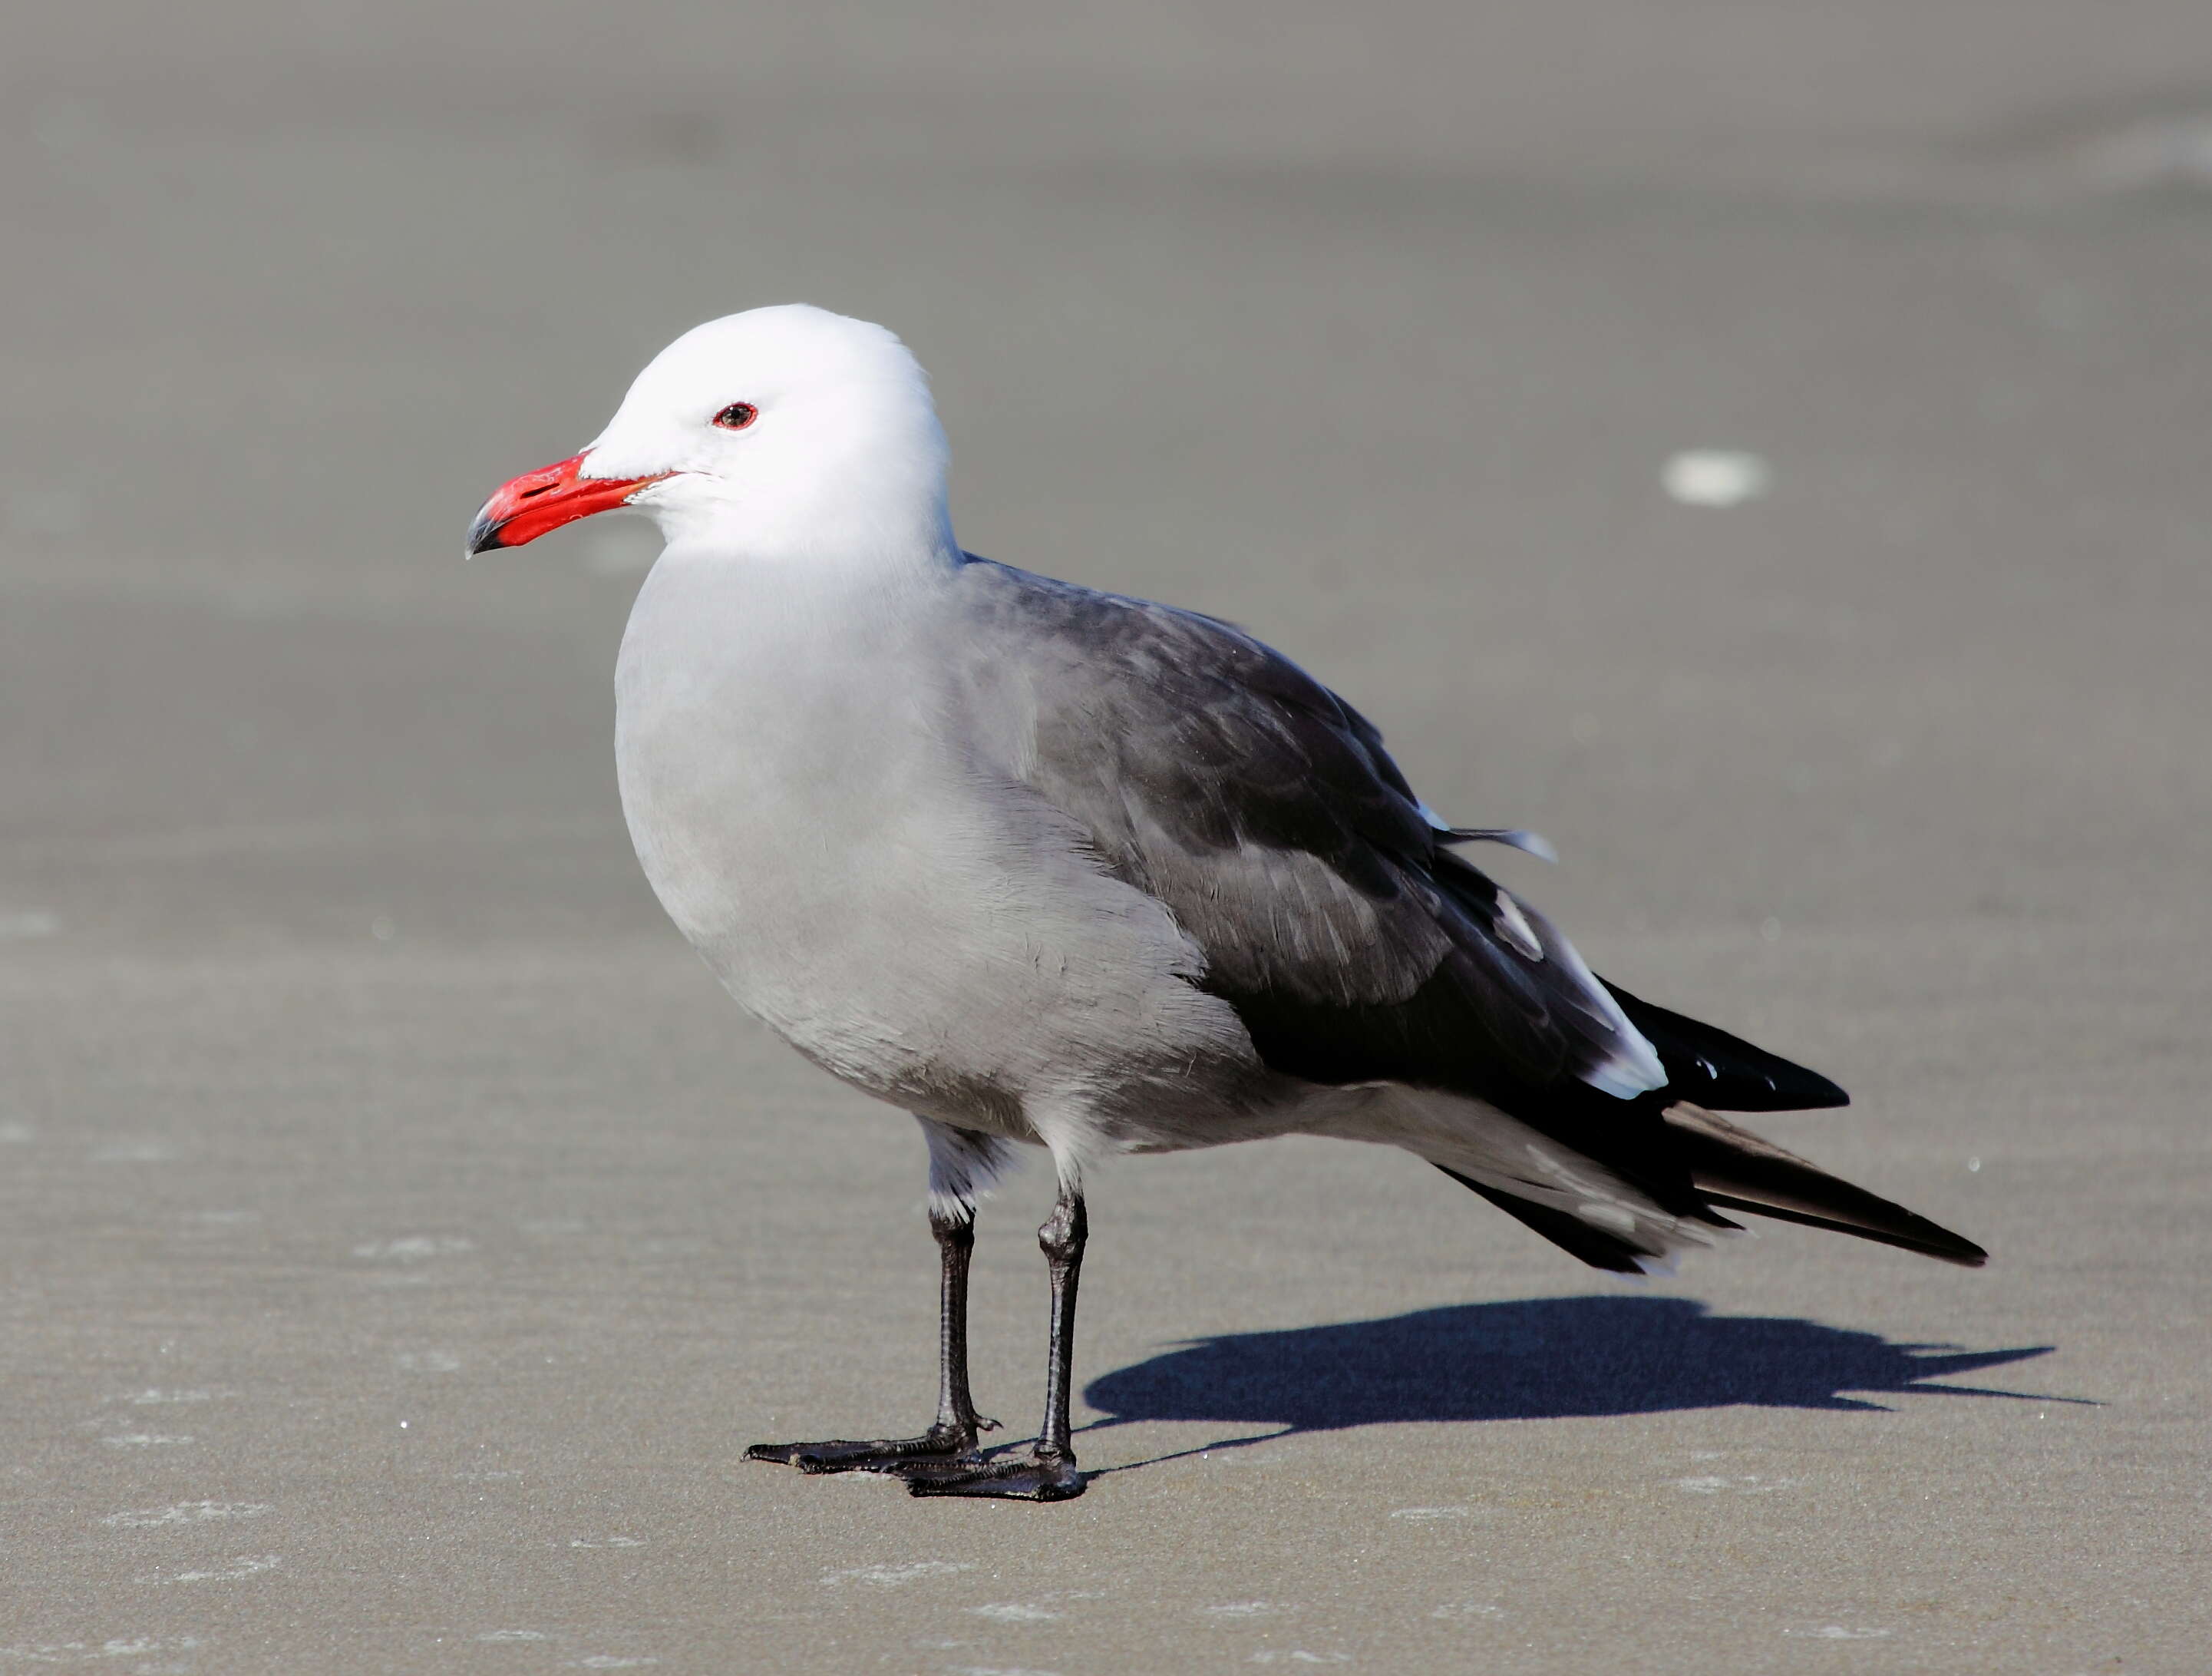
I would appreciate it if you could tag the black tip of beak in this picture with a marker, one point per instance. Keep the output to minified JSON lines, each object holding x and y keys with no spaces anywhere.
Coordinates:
{"x":483,"y":535}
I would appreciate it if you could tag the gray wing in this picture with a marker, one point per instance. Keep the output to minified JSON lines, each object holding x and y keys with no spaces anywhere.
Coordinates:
{"x":1212,"y":773}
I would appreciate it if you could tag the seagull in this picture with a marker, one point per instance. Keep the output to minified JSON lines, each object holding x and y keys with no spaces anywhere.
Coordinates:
{"x":1050,"y":867}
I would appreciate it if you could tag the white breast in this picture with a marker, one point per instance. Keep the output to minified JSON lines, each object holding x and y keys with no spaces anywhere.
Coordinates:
{"x":914,"y":925}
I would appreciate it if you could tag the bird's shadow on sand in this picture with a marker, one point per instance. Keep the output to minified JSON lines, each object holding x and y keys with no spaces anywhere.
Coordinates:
{"x":1538,"y":1359}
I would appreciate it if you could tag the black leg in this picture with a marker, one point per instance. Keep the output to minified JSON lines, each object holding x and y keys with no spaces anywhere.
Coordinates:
{"x":955,"y":1408}
{"x":1047,"y":1473}
{"x":952,"y":1438}
{"x":1062,"y":1239}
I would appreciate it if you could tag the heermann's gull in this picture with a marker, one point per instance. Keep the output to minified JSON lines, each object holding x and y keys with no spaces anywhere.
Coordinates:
{"x":1046,"y":865}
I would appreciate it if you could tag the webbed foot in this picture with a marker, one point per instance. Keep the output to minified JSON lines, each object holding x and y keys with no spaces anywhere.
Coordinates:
{"x":1035,"y":1475}
{"x":945,"y":1447}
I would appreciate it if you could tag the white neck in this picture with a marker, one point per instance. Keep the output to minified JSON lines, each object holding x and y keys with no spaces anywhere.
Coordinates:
{"x":725,"y":583}
{"x":894,"y":531}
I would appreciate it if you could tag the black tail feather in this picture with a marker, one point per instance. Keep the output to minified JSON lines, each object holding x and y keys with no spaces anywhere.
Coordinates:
{"x":1732,"y":1169}
{"x":1721,"y":1072}
{"x":1737,"y":1170}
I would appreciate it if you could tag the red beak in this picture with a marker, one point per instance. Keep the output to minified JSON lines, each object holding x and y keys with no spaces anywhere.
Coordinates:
{"x":542,"y":501}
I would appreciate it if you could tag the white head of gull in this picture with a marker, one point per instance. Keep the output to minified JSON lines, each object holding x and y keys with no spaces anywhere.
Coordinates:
{"x":1046,"y":866}
{"x":833,"y":454}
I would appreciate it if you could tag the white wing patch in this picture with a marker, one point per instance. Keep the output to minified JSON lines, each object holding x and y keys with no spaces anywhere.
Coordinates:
{"x":1512,"y":924}
{"x":1631,"y":1067}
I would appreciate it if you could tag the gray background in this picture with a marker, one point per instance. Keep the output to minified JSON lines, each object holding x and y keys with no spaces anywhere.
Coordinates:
{"x":402,"y":1235}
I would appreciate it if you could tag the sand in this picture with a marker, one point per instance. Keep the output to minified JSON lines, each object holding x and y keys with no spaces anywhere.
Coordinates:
{"x":402,"y":1237}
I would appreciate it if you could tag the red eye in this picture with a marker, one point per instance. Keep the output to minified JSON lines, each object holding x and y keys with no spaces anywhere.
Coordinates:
{"x":737,"y":416}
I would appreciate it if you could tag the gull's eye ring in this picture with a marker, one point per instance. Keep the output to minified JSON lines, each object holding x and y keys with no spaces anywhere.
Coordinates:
{"x":737,"y":416}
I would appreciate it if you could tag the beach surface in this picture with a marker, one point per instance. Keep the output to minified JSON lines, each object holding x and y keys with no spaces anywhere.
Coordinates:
{"x":1763,"y":448}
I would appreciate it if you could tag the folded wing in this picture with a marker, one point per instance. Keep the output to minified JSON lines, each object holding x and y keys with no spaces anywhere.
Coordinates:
{"x":1353,"y":942}
{"x":1212,"y":773}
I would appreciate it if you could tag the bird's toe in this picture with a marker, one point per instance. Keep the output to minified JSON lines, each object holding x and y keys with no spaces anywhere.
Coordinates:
{"x":934,"y":1447}
{"x":1027,"y":1477}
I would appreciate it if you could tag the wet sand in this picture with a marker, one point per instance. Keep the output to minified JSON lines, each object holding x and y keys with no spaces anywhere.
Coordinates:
{"x":402,"y":1236}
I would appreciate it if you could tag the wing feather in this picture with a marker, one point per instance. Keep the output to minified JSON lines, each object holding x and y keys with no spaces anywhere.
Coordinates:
{"x":1214,"y":773}
{"x":1354,"y":944}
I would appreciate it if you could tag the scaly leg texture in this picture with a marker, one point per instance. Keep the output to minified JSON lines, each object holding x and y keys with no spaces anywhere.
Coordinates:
{"x":1047,"y":1472}
{"x":950,"y":1439}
